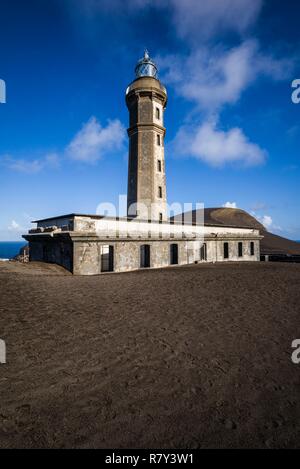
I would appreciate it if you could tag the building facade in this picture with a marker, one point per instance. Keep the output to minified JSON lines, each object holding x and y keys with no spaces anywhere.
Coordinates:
{"x":146,"y":238}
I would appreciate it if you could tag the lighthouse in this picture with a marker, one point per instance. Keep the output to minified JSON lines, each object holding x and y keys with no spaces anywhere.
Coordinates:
{"x":146,"y":99}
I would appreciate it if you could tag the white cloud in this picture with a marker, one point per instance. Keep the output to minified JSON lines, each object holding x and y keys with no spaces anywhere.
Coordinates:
{"x":14,"y":226}
{"x":195,"y":20}
{"x":217,"y":147}
{"x":267,"y":221}
{"x":15,"y":229}
{"x":52,"y":160}
{"x":23,"y":165}
{"x":213,"y":77}
{"x":93,"y":141}
{"x":230,"y":205}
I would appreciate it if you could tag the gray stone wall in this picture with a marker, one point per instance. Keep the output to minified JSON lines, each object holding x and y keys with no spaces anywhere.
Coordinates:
{"x":86,"y":258}
{"x":143,"y":178}
{"x":233,"y":251}
{"x":83,"y":257}
{"x":145,"y":114}
{"x":127,"y":254}
{"x":132,"y":171}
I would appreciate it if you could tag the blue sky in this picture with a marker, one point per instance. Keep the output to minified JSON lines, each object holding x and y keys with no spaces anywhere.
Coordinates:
{"x":232,"y":130}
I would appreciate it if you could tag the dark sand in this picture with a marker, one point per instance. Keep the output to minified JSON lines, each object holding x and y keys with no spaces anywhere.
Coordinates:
{"x":187,"y":357}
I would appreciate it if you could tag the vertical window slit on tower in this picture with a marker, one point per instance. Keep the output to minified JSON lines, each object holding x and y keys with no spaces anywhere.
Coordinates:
{"x":159,"y":165}
{"x":160,"y":192}
{"x":158,"y":139}
{"x":157,"y":113}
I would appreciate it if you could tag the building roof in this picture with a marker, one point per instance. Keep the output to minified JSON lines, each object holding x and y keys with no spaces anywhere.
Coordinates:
{"x":190,"y":218}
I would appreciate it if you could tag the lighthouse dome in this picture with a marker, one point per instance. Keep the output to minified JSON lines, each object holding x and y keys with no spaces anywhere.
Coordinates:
{"x":146,"y":67}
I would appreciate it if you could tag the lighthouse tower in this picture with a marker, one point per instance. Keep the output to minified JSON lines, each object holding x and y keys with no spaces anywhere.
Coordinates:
{"x":146,"y":100}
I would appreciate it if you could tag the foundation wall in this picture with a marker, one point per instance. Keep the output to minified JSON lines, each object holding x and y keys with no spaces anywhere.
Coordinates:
{"x":85,"y":257}
{"x":127,"y":254}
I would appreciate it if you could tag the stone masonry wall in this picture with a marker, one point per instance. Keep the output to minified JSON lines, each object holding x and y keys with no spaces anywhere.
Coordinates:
{"x":83,"y":257}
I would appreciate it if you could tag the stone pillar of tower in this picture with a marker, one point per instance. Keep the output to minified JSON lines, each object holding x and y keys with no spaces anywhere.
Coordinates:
{"x":146,"y":100}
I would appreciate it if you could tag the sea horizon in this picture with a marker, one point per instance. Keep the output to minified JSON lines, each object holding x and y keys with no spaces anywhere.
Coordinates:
{"x":10,"y":249}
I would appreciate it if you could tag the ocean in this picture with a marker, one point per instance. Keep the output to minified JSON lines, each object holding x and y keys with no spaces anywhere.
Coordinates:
{"x":9,"y":249}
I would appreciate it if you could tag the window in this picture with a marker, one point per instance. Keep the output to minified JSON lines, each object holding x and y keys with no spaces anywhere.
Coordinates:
{"x":160,"y":192}
{"x":145,"y":256}
{"x":160,"y":217}
{"x":203,"y":254}
{"x":159,"y":165}
{"x":107,"y":258}
{"x":226,"y":250}
{"x":173,"y":254}
{"x":252,"y":248}
{"x":157,"y":112}
{"x":158,"y":139}
{"x":240,"y":249}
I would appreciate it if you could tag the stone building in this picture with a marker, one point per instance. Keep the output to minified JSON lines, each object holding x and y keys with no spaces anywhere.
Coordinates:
{"x":92,"y":244}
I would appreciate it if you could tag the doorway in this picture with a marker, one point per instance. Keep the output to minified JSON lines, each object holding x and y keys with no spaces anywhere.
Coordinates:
{"x":107,"y":258}
{"x":145,"y":256}
{"x":173,"y":254}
